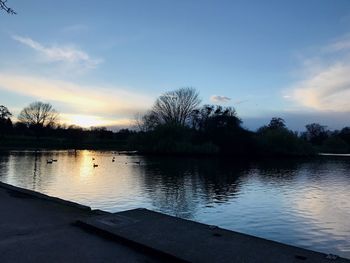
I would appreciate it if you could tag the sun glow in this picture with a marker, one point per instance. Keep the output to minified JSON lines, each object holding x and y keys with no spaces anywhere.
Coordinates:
{"x":87,"y":121}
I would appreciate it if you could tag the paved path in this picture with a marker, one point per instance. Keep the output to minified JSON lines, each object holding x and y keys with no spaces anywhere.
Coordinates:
{"x":194,"y":242}
{"x":37,"y":230}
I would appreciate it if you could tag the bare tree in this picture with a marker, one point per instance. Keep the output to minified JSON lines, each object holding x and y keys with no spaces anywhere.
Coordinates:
{"x":7,"y":9}
{"x":141,"y":123}
{"x":316,"y":133}
{"x":173,"y":107}
{"x":38,"y":114}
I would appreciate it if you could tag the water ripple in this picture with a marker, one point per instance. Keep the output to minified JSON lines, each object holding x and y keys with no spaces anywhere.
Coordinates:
{"x":303,"y":203}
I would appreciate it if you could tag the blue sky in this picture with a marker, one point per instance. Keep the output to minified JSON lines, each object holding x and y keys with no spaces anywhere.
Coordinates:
{"x":102,"y":62}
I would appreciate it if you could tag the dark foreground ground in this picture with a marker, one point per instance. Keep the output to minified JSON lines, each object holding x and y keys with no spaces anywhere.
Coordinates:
{"x":37,"y":228}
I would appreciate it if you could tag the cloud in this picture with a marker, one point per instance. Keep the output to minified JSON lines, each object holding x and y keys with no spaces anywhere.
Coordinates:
{"x":339,"y":45}
{"x":328,"y":90}
{"x":326,"y":82}
{"x":66,"y":54}
{"x":219,"y":99}
{"x":89,"y":100}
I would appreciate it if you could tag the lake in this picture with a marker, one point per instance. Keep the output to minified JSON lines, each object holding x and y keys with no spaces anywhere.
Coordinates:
{"x":303,"y":203}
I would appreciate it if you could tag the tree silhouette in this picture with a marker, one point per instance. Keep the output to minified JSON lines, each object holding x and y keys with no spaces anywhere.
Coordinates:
{"x":173,"y":108}
{"x":211,"y":117}
{"x":316,"y":133}
{"x":5,"y":121}
{"x":345,"y":134}
{"x":7,"y":9}
{"x":38,"y":114}
{"x":277,"y":123}
{"x":276,"y":139}
{"x":4,"y":112}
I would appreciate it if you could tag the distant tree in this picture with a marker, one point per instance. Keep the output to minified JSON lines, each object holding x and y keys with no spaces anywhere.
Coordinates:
{"x":345,"y":134}
{"x":316,"y":133}
{"x":211,"y":117}
{"x":5,"y":8}
{"x":335,"y":144}
{"x":38,"y":114}
{"x":123,"y":134}
{"x":5,"y":121}
{"x":148,"y":122}
{"x":75,"y":135}
{"x":173,"y":108}
{"x":277,"y":140}
{"x":20,"y":128}
{"x":4,"y":113}
{"x":98,"y":129}
{"x":277,"y":123}
{"x":201,"y":115}
{"x":222,"y":127}
{"x":101,"y":132}
{"x":38,"y":117}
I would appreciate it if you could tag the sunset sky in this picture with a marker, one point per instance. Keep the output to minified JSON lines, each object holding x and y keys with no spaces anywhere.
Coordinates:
{"x":103,"y":62}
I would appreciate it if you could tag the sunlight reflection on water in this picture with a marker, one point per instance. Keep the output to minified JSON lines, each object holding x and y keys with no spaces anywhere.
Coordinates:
{"x":303,"y":203}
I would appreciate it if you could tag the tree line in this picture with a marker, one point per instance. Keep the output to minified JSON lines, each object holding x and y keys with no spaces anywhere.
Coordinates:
{"x":177,"y":123}
{"x":38,"y":126}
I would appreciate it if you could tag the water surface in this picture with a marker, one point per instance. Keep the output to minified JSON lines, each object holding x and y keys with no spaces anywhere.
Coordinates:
{"x":302,"y":203}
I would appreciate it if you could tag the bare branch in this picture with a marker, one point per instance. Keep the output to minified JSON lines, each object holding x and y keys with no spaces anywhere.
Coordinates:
{"x":175,"y":107}
{"x":7,"y":9}
{"x":38,"y":114}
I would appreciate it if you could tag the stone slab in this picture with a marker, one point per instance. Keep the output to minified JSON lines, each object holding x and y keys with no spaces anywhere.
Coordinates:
{"x":190,"y":241}
{"x":35,"y":229}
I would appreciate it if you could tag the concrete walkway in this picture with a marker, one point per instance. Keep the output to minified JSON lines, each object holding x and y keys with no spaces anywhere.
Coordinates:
{"x":38,"y":228}
{"x":194,"y":242}
{"x":33,"y":229}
